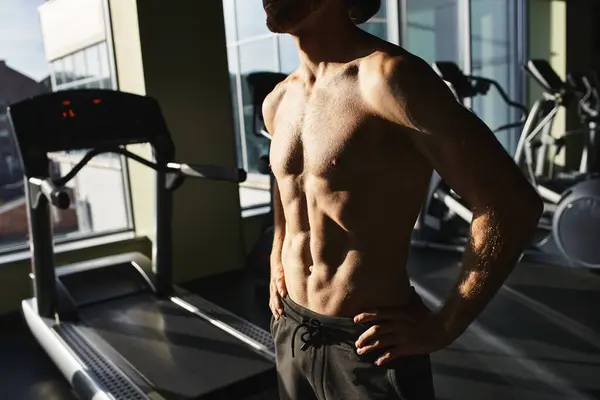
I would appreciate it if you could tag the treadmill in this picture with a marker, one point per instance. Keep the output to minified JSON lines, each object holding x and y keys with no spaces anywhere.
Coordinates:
{"x":117,"y":327}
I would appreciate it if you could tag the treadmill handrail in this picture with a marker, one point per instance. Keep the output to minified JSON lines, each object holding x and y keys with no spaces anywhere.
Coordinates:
{"x":463,"y":87}
{"x":212,"y":172}
{"x":204,"y":171}
{"x":545,"y":75}
{"x":57,"y":196}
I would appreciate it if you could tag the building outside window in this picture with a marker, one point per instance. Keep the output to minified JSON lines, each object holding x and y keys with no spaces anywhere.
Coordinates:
{"x":51,"y":46}
{"x":87,"y":68}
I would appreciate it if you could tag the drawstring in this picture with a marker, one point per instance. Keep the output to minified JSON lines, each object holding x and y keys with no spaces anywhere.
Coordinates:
{"x":313,"y":330}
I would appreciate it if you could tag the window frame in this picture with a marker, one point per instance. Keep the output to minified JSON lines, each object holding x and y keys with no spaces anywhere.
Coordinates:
{"x":129,"y":226}
{"x":518,"y":29}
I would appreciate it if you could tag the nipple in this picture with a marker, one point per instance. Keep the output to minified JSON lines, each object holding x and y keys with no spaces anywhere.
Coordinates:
{"x":310,"y":269}
{"x":334,"y":162}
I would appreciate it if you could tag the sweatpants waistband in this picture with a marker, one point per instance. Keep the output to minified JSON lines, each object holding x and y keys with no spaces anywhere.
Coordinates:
{"x":343,"y":325}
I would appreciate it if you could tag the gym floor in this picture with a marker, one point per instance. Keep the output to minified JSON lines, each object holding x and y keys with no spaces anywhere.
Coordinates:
{"x":538,"y":339}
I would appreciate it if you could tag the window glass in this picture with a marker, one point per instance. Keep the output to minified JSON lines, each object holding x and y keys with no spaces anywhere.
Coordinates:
{"x":58,"y":71}
{"x":233,"y":84}
{"x":494,"y":51}
{"x":98,"y":195}
{"x":432,"y":30}
{"x":251,"y":19}
{"x":92,"y":61}
{"x":255,"y":57}
{"x":229,"y":16}
{"x":382,"y":13}
{"x":376,"y":28}
{"x":104,"y":61}
{"x":288,"y":54}
{"x":105,"y":83}
{"x":69,"y":69}
{"x":80,"y":66}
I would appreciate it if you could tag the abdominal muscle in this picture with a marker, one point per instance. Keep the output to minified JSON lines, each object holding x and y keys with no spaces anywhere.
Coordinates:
{"x":337,"y":278}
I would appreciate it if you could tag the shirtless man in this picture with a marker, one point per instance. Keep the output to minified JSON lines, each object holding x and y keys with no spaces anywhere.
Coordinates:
{"x":356,"y":133}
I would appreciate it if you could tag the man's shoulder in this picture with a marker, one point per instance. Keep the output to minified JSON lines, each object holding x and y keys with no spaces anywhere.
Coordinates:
{"x":394,"y":68}
{"x":402,"y":87}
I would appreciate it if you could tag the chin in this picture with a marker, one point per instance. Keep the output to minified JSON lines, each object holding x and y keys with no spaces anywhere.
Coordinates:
{"x":286,"y":16}
{"x":280,"y":26}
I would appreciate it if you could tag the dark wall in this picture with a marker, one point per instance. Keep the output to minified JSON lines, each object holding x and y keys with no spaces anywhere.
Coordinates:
{"x":583,"y":55}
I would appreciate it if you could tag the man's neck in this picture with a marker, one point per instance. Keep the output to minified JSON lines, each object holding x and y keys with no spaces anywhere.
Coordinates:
{"x":329,"y":39}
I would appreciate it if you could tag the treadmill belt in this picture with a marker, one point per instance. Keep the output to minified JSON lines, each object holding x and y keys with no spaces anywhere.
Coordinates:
{"x":182,"y":355}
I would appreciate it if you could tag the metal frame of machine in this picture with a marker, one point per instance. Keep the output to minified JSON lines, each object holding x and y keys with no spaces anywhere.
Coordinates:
{"x":117,"y":327}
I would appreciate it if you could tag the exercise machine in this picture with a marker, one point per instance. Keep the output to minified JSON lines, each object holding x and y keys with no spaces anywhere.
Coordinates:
{"x":260,"y":85}
{"x":576,"y":219}
{"x":466,"y":87}
{"x":588,"y":111}
{"x":537,"y":148}
{"x":568,"y":238}
{"x":117,"y":327}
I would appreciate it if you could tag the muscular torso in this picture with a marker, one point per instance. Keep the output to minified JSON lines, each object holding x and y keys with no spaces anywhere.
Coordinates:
{"x":351,"y":186}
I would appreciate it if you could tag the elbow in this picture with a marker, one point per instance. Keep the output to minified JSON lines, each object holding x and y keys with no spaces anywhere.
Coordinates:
{"x":533,"y":205}
{"x":525,"y":208}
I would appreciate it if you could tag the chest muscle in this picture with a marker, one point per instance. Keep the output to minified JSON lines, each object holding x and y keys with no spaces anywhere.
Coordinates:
{"x":320,"y":136}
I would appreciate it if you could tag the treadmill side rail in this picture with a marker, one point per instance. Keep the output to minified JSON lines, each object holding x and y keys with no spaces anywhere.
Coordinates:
{"x":252,"y":335}
{"x":71,"y":367}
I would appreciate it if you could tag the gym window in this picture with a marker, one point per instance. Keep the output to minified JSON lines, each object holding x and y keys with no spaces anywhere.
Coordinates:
{"x":40,"y":58}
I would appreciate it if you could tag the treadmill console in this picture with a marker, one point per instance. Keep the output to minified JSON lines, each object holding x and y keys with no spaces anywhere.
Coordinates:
{"x":84,"y":119}
{"x":545,"y":75}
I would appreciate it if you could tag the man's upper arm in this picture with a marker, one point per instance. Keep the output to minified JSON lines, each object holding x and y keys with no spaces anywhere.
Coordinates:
{"x":269,"y":108}
{"x":268,"y":113}
{"x":459,"y":146}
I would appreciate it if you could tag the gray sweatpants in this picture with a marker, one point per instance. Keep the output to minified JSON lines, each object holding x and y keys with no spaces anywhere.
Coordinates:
{"x":316,"y":359}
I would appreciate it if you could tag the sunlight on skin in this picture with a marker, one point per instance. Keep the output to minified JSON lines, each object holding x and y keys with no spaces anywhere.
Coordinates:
{"x":484,"y":243}
{"x":470,"y":284}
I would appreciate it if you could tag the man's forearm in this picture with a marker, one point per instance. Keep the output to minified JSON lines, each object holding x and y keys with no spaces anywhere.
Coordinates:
{"x":275,"y":257}
{"x":495,"y":245}
{"x":278,"y":229}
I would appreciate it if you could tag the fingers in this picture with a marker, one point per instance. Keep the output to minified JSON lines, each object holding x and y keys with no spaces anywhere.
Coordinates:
{"x":373,"y":334}
{"x":383,"y":342}
{"x":387,"y":357}
{"x":280,"y":284}
{"x":278,"y":277}
{"x":275,"y":309}
{"x":379,"y":315}
{"x":278,"y":290}
{"x":275,"y":303}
